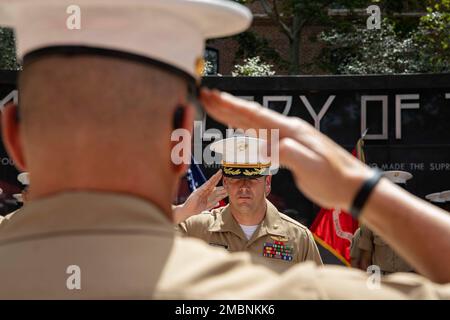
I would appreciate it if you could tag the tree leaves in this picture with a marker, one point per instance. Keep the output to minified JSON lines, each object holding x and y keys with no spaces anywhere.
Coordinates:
{"x":7,"y":50}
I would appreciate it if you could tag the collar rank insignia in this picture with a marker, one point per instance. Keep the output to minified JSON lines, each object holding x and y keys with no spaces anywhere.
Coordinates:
{"x":278,"y":250}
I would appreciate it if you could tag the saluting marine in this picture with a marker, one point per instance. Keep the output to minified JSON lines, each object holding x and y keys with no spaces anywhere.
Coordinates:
{"x":374,"y":250}
{"x":250,"y":222}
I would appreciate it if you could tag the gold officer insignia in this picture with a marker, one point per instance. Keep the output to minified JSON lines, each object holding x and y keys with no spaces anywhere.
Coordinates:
{"x":231,"y":171}
{"x":279,"y":238}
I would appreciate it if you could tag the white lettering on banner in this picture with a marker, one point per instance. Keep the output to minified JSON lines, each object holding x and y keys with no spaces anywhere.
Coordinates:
{"x":398,"y":110}
{"x":444,"y":166}
{"x":317,"y":117}
{"x":400,"y":104}
{"x":13,"y":95}
{"x":5,"y":161}
{"x":287,"y":99}
{"x":384,"y":132}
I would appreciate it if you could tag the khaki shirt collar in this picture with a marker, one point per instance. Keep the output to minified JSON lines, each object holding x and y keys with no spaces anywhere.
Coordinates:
{"x":271,"y":224}
{"x":225,"y":222}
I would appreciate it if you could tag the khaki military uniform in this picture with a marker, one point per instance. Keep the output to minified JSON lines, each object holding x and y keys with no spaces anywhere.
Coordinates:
{"x":4,"y":220}
{"x":278,"y":242}
{"x":382,"y":254}
{"x":125,"y":247}
{"x":355,"y":252}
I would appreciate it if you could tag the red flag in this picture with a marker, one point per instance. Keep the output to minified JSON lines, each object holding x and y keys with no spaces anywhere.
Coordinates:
{"x":333,"y":229}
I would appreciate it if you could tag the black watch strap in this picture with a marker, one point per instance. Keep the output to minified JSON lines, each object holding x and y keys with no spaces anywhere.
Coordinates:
{"x":364,"y":193}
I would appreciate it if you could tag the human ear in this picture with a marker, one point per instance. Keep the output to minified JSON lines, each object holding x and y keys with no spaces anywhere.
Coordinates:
{"x":11,"y":135}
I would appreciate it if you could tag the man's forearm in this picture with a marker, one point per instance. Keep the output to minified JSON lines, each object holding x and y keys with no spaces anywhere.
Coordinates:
{"x":418,"y":231}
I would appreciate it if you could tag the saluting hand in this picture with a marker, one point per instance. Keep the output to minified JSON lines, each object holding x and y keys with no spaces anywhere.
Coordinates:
{"x":204,"y":198}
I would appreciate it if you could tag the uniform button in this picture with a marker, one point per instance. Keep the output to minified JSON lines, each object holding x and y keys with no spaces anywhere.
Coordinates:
{"x":275,"y":226}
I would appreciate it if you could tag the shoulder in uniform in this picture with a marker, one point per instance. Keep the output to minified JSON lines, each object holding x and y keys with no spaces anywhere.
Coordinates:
{"x":383,"y":255}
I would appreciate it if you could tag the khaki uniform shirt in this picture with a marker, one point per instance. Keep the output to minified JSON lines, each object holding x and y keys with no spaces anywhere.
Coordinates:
{"x":355,"y":252}
{"x":279,"y":241}
{"x":382,"y":255}
{"x":125,"y":248}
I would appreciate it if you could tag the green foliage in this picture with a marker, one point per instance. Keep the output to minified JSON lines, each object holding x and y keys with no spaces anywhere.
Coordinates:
{"x":252,"y":45}
{"x":208,"y":68}
{"x":7,"y":50}
{"x":253,"y":67}
{"x":362,"y":51}
{"x":433,"y":37}
{"x":426,"y":48}
{"x":291,"y":16}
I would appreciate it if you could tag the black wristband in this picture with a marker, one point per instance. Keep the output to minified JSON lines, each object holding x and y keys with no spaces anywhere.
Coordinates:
{"x":364,"y":193}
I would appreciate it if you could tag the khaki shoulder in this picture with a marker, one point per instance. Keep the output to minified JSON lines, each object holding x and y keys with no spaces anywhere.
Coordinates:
{"x":215,"y":212}
{"x":206,"y":218}
{"x":330,"y":281}
{"x":198,"y":224}
{"x":293,"y":222}
{"x":217,"y":274}
{"x":302,"y":233}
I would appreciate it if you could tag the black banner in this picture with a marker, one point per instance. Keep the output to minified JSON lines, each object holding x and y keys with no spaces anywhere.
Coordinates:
{"x":406,"y":116}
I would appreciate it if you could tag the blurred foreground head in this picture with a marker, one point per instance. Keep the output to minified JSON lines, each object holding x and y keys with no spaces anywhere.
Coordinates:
{"x":101,"y":85}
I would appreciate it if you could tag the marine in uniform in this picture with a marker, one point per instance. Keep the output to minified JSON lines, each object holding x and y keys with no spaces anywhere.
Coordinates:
{"x":116,"y":229}
{"x":374,"y":250}
{"x":250,"y":222}
{"x":355,"y":252}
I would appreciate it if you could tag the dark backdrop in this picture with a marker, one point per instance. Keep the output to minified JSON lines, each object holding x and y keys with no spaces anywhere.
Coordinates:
{"x":423,"y":148}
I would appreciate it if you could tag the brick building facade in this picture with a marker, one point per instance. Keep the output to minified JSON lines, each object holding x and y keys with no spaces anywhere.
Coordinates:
{"x":310,"y":49}
{"x":263,"y":26}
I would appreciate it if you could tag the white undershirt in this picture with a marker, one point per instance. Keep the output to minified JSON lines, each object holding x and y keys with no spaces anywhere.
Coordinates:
{"x":249,"y":230}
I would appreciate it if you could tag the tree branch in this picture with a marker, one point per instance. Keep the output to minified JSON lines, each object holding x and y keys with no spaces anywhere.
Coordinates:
{"x":282,"y":24}
{"x":275,"y":16}
{"x":310,"y":18}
